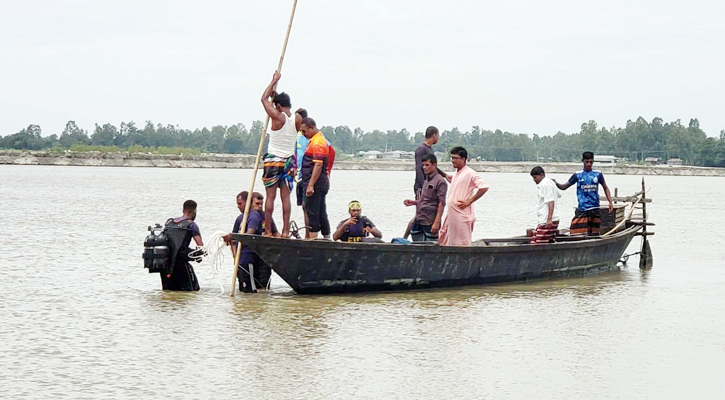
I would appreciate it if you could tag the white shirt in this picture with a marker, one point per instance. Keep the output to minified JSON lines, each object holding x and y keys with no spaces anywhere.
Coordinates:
{"x":548,"y":192}
{"x":282,"y":143}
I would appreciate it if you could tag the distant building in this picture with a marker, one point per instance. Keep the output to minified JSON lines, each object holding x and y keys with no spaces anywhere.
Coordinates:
{"x":652,"y":160}
{"x":600,"y":158}
{"x":675,"y":161}
{"x":370,"y":154}
{"x":398,"y":155}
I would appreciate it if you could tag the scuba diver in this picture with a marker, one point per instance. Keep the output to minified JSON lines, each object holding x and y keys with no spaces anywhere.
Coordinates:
{"x":179,"y":275}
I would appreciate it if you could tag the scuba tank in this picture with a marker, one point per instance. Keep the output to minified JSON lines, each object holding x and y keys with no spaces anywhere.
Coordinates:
{"x":157,"y":254}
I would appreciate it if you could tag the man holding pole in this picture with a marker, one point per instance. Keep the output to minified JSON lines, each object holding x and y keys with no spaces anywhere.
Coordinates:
{"x":280,"y":123}
{"x":279,"y":162}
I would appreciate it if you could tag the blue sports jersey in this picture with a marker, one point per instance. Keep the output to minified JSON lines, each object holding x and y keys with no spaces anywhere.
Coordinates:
{"x":300,"y":148}
{"x":587,"y":188}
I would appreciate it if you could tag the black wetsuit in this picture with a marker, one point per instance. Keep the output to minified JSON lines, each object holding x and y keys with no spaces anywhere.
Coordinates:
{"x":182,"y":278}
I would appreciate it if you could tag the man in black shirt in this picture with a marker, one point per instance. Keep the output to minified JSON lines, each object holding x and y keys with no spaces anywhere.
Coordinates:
{"x":355,"y":228}
{"x":180,"y":231}
{"x":431,"y":138}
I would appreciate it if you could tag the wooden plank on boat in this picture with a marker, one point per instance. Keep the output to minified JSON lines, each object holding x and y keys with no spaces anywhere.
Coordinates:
{"x":630,"y":199}
{"x":641,"y":223}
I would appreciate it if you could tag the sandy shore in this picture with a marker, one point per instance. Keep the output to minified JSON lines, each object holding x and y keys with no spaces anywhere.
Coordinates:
{"x":98,"y":159}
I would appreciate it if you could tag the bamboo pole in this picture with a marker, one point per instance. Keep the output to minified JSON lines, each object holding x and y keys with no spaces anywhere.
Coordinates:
{"x":645,"y":252}
{"x":256,"y":161}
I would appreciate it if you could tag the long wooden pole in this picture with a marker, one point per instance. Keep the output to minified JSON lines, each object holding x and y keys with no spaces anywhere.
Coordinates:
{"x":259,"y":155}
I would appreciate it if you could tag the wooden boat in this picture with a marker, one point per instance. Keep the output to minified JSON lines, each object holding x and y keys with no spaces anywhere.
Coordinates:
{"x":323,"y":266}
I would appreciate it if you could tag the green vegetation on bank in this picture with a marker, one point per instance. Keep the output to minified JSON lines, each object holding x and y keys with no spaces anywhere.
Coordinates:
{"x":132,"y":149}
{"x":636,"y":141}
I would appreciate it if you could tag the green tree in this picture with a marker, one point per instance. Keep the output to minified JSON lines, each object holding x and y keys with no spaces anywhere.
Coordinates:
{"x":104,"y":135}
{"x":73,"y":135}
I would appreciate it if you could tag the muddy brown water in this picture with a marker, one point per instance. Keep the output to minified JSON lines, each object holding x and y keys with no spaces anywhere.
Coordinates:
{"x":81,"y":318}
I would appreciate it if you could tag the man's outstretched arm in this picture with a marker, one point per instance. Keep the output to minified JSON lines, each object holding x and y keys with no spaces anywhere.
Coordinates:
{"x":562,"y":186}
{"x":273,"y":113}
{"x":609,"y":196}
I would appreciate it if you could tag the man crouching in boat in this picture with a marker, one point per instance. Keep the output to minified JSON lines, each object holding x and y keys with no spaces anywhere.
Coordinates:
{"x":357,"y":227}
{"x":180,"y":231}
{"x":547,"y":212}
{"x":430,"y":202}
{"x":466,"y":187}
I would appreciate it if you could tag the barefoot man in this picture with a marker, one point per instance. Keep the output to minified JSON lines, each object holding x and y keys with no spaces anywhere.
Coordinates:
{"x":466,"y":187}
{"x":279,"y":162}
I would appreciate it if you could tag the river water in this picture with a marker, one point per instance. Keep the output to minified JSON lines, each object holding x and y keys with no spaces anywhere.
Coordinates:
{"x":81,"y":318}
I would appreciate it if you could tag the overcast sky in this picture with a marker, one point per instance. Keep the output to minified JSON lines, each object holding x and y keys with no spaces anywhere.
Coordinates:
{"x":525,"y":66}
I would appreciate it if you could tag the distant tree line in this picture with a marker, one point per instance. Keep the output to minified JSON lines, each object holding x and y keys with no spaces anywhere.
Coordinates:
{"x":636,"y":141}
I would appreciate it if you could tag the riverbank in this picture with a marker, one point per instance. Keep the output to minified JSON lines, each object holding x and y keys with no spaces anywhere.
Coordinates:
{"x":243,"y":161}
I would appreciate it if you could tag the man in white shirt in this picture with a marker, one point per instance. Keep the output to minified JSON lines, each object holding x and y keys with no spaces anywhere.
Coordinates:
{"x":547,"y":212}
{"x":279,"y":162}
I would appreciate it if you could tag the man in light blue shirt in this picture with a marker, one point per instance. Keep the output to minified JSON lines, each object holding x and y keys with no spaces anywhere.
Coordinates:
{"x":300,"y":147}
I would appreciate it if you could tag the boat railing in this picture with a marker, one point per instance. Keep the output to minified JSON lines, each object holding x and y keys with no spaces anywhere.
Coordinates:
{"x":638,"y":201}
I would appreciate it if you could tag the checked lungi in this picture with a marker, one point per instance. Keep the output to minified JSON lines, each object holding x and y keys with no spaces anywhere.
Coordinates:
{"x":587,"y":222}
{"x":279,"y":170}
{"x":542,"y":234}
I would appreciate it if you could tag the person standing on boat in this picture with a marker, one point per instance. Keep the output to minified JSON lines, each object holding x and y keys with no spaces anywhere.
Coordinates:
{"x":431,"y":138}
{"x":466,"y":188}
{"x":357,"y":227}
{"x":429,"y":206}
{"x":547,"y":212}
{"x":279,"y":162}
{"x":180,"y":231}
{"x":588,"y":216}
{"x":315,"y":178}
{"x":300,"y":148}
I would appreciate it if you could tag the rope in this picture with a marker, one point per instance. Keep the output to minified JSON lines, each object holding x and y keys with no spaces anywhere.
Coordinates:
{"x":259,"y":284}
{"x":214,"y":254}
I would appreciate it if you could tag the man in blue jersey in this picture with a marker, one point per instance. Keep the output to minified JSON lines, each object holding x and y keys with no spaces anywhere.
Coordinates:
{"x":587,"y":217}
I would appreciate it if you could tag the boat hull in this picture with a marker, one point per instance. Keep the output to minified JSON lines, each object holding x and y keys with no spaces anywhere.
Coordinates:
{"x":322,"y":267}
